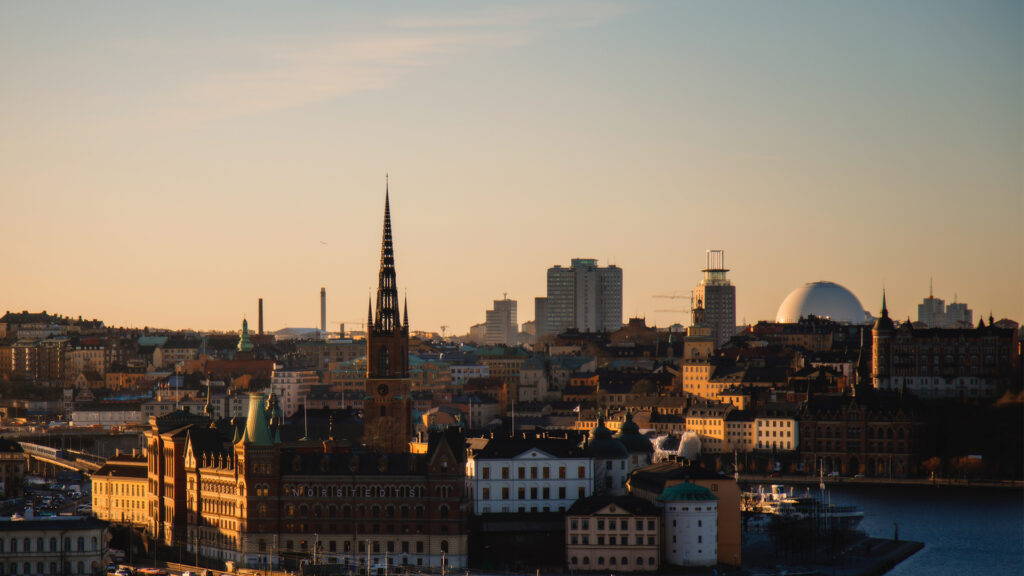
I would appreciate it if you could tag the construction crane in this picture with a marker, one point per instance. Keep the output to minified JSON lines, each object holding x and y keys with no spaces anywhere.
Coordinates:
{"x":673,"y":310}
{"x":672,"y":296}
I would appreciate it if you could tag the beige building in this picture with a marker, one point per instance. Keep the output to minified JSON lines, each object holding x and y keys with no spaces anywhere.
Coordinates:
{"x":613,"y":533}
{"x":707,"y":419}
{"x":119,"y":490}
{"x":66,"y":545}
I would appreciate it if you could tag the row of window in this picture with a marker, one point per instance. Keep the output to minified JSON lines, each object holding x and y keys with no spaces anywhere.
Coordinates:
{"x":612,"y":561}
{"x":612,"y":524}
{"x":612,"y":540}
{"x":26,"y":568}
{"x":533,"y":493}
{"x":26,"y":545}
{"x":375,"y":511}
{"x":521,"y":472}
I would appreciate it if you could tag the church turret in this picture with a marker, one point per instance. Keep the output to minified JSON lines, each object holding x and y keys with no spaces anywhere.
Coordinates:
{"x":881,"y":348}
{"x":244,"y":345}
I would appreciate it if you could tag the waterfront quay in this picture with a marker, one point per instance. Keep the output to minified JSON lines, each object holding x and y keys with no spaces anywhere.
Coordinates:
{"x":831,"y":481}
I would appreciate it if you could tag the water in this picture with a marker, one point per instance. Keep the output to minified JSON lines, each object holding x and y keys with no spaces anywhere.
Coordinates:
{"x":965,"y":530}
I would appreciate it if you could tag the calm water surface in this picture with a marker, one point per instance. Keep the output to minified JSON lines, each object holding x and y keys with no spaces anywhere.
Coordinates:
{"x":965,"y":530}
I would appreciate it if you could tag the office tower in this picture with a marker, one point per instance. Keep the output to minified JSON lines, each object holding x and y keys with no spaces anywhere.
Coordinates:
{"x":540,"y":315}
{"x":932,"y":310}
{"x":958,"y":315}
{"x":717,"y":297}
{"x":502,"y":325}
{"x":584,"y":297}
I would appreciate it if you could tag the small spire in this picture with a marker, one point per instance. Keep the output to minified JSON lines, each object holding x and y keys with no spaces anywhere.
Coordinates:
{"x":405,"y":313}
{"x":369,"y":313}
{"x":885,"y":311}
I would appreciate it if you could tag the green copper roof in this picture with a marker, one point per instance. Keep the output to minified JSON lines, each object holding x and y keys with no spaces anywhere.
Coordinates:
{"x":257,"y":432}
{"x":244,"y":345}
{"x":686,"y":491}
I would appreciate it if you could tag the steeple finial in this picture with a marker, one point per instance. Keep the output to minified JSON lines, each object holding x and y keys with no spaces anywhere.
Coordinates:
{"x":405,"y":312}
{"x":885,"y":311}
{"x":369,"y":313}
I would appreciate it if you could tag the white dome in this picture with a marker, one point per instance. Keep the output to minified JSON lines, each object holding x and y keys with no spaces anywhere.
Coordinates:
{"x":822,"y":299}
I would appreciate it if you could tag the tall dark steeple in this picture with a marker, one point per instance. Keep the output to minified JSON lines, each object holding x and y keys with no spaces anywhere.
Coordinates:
{"x":387,"y":321}
{"x":387,"y":407}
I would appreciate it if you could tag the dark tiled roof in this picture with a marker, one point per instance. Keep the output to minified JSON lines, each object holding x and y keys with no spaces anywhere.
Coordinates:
{"x":632,"y":504}
{"x":511,"y":447}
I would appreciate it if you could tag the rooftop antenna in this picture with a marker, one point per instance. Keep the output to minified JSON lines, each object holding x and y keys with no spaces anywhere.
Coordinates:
{"x":930,"y":293}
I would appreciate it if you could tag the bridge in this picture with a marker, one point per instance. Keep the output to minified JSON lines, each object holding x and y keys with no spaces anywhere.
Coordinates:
{"x":45,"y":460}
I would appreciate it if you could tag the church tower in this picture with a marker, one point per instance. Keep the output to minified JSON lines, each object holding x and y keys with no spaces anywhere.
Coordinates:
{"x":387,"y":408}
{"x":881,"y":349}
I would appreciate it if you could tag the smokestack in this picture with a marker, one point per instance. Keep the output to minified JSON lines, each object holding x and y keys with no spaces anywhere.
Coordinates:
{"x":261,"y":317}
{"x":323,"y":312}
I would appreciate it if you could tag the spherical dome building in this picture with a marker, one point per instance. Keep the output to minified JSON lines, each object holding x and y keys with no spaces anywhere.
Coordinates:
{"x":824,"y":300}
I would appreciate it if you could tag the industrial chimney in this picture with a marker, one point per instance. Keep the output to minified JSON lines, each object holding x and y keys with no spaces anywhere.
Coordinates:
{"x":323,"y":312}
{"x":261,"y":317}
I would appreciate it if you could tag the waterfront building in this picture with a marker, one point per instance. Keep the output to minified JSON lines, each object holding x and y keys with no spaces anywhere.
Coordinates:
{"x":965,"y":363}
{"x":650,"y":482}
{"x":775,"y":427}
{"x":502,"y":325}
{"x":528,"y":473}
{"x":119,"y":490}
{"x":717,"y":297}
{"x":613,"y":533}
{"x":65,"y":545}
{"x":875,"y":433}
{"x":583,"y":297}
{"x":690,"y":514}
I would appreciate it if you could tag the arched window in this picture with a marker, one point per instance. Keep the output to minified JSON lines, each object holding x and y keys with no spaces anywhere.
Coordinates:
{"x":600,"y":560}
{"x":39,"y":546}
{"x":444,"y":546}
{"x":383,"y":361}
{"x":625,"y":561}
{"x":81,"y":545}
{"x":53,"y":545}
{"x":27,"y":543}
{"x":383,"y":411}
{"x":94,"y":543}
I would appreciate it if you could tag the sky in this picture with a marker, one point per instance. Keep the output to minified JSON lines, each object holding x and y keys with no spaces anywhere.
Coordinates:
{"x":167,"y":164}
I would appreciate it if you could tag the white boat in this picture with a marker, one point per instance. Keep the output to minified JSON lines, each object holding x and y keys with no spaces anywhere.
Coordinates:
{"x":778,"y":502}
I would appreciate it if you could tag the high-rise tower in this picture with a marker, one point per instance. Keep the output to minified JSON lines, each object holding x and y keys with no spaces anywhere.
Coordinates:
{"x":585,"y":297}
{"x":387,"y":409}
{"x":717,"y":297}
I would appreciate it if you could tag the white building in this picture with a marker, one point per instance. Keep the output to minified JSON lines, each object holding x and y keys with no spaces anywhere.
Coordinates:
{"x":776,"y":428}
{"x":462,"y":374}
{"x":531,"y":474}
{"x":691,"y":525}
{"x":292,"y":386}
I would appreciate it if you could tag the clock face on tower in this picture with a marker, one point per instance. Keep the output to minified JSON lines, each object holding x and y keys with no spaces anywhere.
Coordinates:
{"x":382,"y":390}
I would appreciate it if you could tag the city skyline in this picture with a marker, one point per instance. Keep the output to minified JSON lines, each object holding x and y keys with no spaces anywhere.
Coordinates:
{"x":164,"y":172}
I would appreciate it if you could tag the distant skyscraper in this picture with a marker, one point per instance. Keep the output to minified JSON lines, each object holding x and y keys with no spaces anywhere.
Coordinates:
{"x":717,"y":297}
{"x":932,"y":310}
{"x":584,"y":296}
{"x":540,"y":315}
{"x":935,"y":313}
{"x":502,"y":324}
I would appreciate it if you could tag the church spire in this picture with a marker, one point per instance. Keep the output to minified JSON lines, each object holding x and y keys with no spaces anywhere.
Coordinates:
{"x":387,"y":289}
{"x":885,"y":311}
{"x":405,"y":313}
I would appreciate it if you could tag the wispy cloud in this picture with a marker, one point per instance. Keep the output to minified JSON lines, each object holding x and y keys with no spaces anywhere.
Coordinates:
{"x":289,"y":74}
